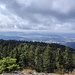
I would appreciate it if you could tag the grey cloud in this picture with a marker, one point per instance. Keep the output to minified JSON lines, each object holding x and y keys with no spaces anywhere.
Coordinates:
{"x":41,"y":14}
{"x":44,"y":7}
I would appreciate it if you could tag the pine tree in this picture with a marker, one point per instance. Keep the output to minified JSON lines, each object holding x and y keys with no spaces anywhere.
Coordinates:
{"x":59,"y":60}
{"x":31,"y":54}
{"x":38,"y":60}
{"x":48,"y":59}
{"x":68,"y":60}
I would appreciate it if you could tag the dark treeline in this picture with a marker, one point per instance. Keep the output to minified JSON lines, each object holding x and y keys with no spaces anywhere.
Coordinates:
{"x":40,"y":56}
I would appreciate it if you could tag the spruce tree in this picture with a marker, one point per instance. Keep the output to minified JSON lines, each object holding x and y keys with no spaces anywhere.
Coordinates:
{"x":38,"y":60}
{"x":59,"y":60}
{"x":68,"y":60}
{"x":48,"y":59}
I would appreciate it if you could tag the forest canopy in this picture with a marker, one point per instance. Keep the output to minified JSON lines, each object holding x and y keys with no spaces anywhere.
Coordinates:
{"x":43,"y":57}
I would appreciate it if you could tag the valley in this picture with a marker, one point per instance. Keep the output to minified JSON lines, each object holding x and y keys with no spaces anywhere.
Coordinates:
{"x":67,"y":39}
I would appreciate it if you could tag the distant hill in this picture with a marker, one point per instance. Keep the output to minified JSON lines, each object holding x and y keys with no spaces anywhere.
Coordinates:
{"x":70,"y":44}
{"x":67,"y":39}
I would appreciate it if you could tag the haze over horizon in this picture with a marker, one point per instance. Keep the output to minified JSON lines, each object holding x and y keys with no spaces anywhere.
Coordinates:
{"x":34,"y":15}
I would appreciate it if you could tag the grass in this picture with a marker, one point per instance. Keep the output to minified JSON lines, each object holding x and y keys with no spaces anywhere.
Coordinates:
{"x":29,"y":71}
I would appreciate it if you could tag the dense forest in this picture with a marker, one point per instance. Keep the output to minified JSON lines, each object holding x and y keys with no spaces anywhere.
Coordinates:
{"x":43,"y":57}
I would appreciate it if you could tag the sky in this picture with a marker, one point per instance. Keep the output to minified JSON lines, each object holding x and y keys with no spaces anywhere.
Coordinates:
{"x":44,"y":15}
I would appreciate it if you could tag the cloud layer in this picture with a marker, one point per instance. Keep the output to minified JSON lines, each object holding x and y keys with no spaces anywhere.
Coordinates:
{"x":53,"y":15}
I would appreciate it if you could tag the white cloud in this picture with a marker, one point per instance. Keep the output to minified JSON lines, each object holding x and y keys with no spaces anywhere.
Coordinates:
{"x":54,"y":15}
{"x":2,"y":6}
{"x":63,"y":6}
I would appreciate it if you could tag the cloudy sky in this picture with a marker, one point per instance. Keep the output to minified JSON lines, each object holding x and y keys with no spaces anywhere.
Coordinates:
{"x":52,"y":15}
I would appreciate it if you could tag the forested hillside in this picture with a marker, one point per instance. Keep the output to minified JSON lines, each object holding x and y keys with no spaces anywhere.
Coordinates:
{"x":42,"y":57}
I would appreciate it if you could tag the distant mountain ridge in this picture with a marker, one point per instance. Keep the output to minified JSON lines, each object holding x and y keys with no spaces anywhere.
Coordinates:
{"x":67,"y":39}
{"x":70,"y":44}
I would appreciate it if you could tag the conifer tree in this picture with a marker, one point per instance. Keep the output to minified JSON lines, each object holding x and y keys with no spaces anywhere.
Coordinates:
{"x":68,"y":58}
{"x":59,"y":60}
{"x":48,"y":59}
{"x":38,"y":59}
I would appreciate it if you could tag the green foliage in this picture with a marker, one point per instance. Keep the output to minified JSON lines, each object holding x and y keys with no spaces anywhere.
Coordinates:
{"x":23,"y":60}
{"x":68,"y":59}
{"x":59,"y":60}
{"x":8,"y":64}
{"x":40,"y":56}
{"x":47,"y":59}
{"x":38,"y":59}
